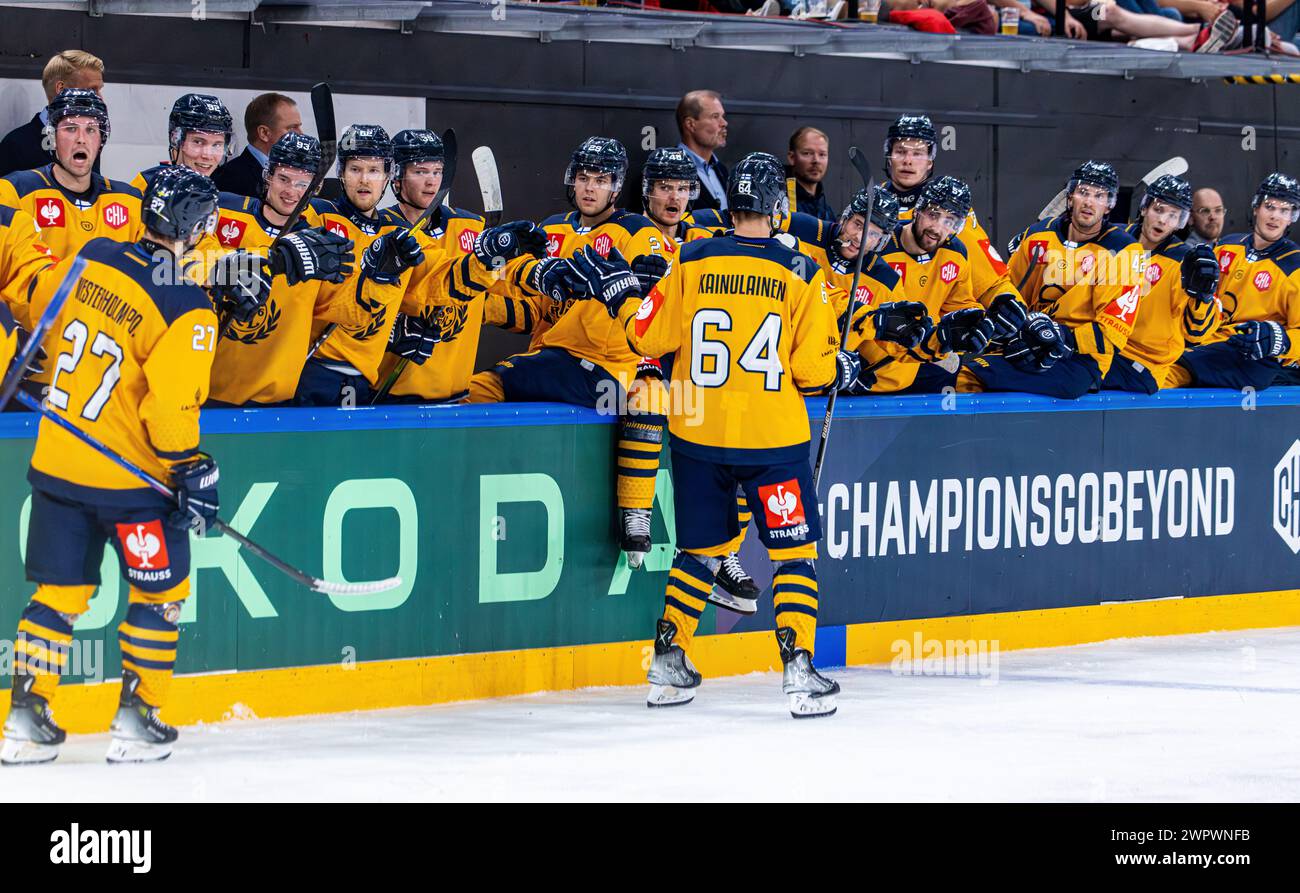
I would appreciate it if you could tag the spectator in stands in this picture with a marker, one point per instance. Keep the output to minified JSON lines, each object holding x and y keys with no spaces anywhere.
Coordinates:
{"x":702,"y":122}
{"x":267,"y":118}
{"x":22,"y":148}
{"x":1035,"y":23}
{"x":1207,"y":218}
{"x":1107,"y":20}
{"x":806,"y":163}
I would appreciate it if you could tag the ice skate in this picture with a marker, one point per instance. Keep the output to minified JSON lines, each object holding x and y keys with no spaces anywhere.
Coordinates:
{"x":139,"y":736}
{"x":673,"y":679}
{"x":810,"y":693}
{"x":634,"y":535}
{"x":30,"y":733}
{"x":739,"y":592}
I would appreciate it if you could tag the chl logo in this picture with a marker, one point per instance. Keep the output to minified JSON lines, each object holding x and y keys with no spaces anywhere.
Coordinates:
{"x":863,"y":295}
{"x":336,"y":228}
{"x":948,"y":272}
{"x":602,"y":244}
{"x":554,"y":244}
{"x":116,"y":215}
{"x":1154,"y":272}
{"x":49,"y":212}
{"x":1286,"y":498}
{"x":783,"y":504}
{"x":230,"y":233}
{"x":143,"y":545}
{"x":1263,"y":279}
{"x":467,"y":237}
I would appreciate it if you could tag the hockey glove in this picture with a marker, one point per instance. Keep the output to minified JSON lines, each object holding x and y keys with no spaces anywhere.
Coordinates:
{"x":1200,"y":273}
{"x":1260,"y":340}
{"x":649,"y":368}
{"x":391,"y":255}
{"x":649,"y":269}
{"x":1039,"y":346}
{"x":312,"y":254}
{"x":498,"y":244}
{"x":848,"y":366}
{"x":1008,"y":315}
{"x":608,"y":279}
{"x":240,"y":284}
{"x":964,"y":331}
{"x":195,"y":483}
{"x":35,"y":363}
{"x":902,"y":322}
{"x":413,"y":338}
{"x":556,"y":278}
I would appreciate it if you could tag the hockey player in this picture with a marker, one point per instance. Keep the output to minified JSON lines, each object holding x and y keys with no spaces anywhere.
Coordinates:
{"x":418,"y":159}
{"x":133,"y":359}
{"x":1179,"y":305}
{"x":200,"y":131}
{"x":911,"y":145}
{"x":22,"y":257}
{"x":752,"y":326}
{"x":260,"y":354}
{"x":69,"y":201}
{"x":1259,"y":286}
{"x":1083,"y":277}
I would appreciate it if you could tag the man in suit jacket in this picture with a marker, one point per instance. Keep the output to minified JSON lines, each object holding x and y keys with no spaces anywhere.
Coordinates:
{"x":267,"y":118}
{"x":702,"y":122}
{"x":23,"y":148}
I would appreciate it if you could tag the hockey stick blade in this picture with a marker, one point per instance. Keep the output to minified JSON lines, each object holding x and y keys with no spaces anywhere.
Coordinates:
{"x":489,"y":184}
{"x":313,"y":583}
{"x":1175,"y":167}
{"x":18,"y":370}
{"x":1053,"y":208}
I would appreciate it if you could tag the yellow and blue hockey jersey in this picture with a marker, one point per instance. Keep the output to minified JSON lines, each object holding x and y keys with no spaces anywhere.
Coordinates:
{"x":1260,"y":286}
{"x":22,"y":256}
{"x":109,"y":209}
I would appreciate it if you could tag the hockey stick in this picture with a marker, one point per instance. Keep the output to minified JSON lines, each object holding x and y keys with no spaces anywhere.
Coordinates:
{"x":449,"y":150}
{"x":18,"y":371}
{"x":313,"y":583}
{"x":1177,"y":166}
{"x":864,"y":170}
{"x":489,"y":184}
{"x":322,"y":107}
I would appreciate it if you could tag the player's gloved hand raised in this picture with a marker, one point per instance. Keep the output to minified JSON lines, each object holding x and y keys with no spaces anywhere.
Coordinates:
{"x":312,"y":254}
{"x":1258,"y":340}
{"x":902,"y":322}
{"x":240,"y":283}
{"x":498,"y":244}
{"x":413,"y":338}
{"x":964,"y":331}
{"x":195,"y":483}
{"x":1007,"y":315}
{"x":1040,"y":345}
{"x":848,"y":366}
{"x":1200,"y":270}
{"x":556,"y":278}
{"x":649,"y":269}
{"x":608,"y":279}
{"x":391,"y":255}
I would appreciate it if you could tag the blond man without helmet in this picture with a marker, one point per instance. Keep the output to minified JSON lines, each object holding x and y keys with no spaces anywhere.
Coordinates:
{"x":21,"y":149}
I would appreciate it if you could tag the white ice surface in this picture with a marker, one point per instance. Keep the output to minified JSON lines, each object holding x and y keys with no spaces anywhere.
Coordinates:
{"x":1202,"y":717}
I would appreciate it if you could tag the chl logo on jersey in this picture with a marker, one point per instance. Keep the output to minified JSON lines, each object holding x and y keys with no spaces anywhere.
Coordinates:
{"x":948,"y":272}
{"x":554,"y":244}
{"x":782,"y":505}
{"x":337,"y":228}
{"x":1263,"y":279}
{"x":1154,"y":272}
{"x":49,"y":212}
{"x":467,"y":238}
{"x":116,"y":215}
{"x":144,"y":546}
{"x":863,"y":295}
{"x":602,"y":244}
{"x":230,"y":233}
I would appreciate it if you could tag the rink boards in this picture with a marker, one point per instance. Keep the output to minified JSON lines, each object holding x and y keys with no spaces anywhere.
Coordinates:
{"x":1007,"y":521}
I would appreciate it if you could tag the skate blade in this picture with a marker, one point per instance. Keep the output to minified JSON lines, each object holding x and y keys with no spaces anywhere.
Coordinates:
{"x":669,"y":696}
{"x":125,"y":750}
{"x":805,"y":705}
{"x":635,"y":559}
{"x":27,"y":753}
{"x":724,"y":599}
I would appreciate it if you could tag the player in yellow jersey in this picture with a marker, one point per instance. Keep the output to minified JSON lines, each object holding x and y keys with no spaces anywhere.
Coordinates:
{"x":131,"y":359}
{"x":752,"y":327}
{"x":418,"y":158}
{"x":264,"y":343}
{"x":1259,"y":287}
{"x":69,"y":201}
{"x":22,"y":257}
{"x":200,"y":132}
{"x":1179,"y":306}
{"x":1083,"y":278}
{"x":910,"y":149}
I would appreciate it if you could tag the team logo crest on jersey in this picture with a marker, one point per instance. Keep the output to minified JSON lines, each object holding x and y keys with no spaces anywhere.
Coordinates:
{"x":467,"y":237}
{"x":649,"y":307}
{"x":450,"y":320}
{"x":143,"y":546}
{"x":602,"y":244}
{"x":116,"y":215}
{"x":230,"y":233}
{"x":1263,"y":279}
{"x":49,"y":212}
{"x":948,"y":272}
{"x":554,"y":244}
{"x":900,"y":268}
{"x":265,"y":321}
{"x":1225,"y":261}
{"x":783,"y":504}
{"x":1124,"y":308}
{"x":1154,"y":272}
{"x":336,"y":228}
{"x":994,"y":259}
